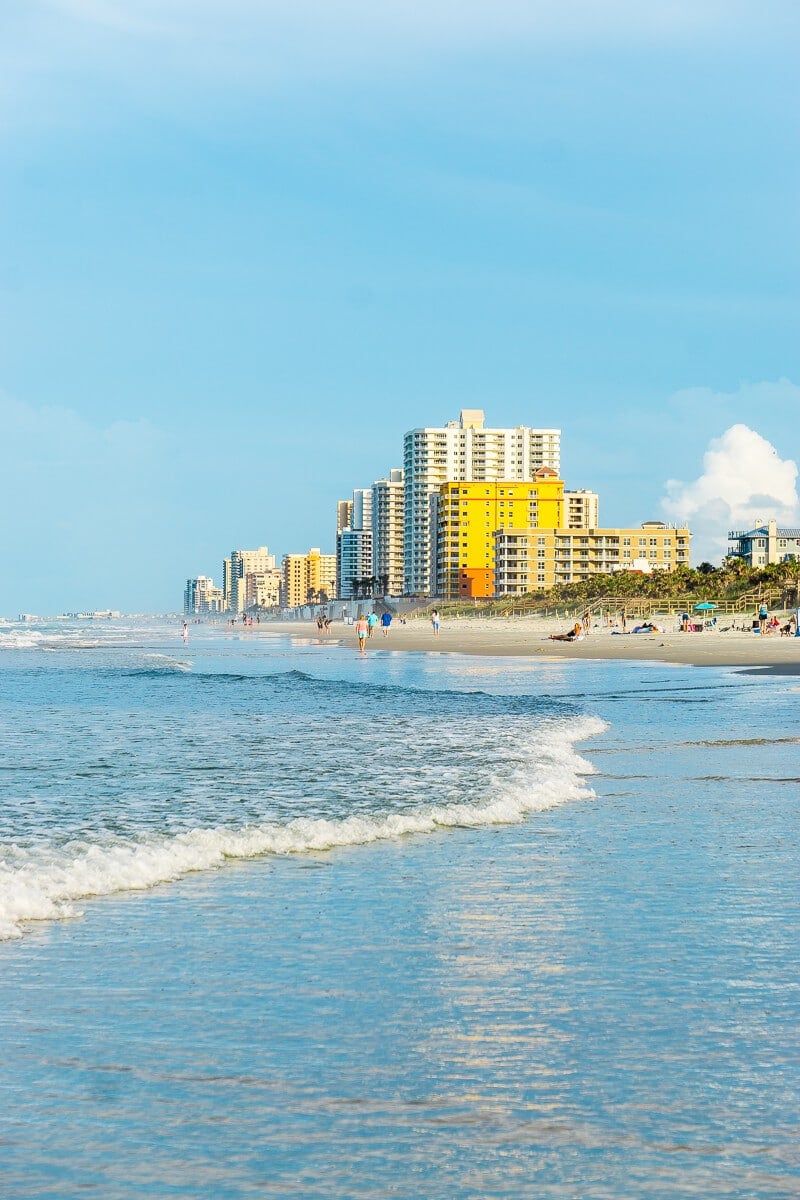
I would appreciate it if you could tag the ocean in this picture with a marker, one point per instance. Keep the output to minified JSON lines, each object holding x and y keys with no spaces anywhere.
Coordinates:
{"x":277,"y":920}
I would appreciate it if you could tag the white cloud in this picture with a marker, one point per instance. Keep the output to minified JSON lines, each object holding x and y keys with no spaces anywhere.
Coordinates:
{"x":744,"y":479}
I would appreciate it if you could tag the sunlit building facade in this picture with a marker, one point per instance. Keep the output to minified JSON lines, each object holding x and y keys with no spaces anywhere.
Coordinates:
{"x":538,"y":558}
{"x":462,"y":450}
{"x":469,"y":514}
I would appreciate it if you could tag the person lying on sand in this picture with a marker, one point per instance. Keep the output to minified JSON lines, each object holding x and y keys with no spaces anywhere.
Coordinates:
{"x":572,"y":635}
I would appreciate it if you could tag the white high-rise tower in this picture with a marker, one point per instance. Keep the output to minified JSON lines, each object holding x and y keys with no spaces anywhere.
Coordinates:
{"x":461,"y":450}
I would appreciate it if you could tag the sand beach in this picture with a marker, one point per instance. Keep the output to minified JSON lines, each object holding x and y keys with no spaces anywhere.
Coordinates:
{"x":723,"y":646}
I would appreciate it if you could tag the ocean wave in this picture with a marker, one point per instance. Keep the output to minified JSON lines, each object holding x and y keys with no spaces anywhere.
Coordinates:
{"x":41,"y":884}
{"x":20,"y":639}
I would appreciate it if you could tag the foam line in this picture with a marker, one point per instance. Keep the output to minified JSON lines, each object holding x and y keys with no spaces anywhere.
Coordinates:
{"x":40,"y":885}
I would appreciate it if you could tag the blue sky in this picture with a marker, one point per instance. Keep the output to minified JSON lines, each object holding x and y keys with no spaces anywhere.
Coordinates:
{"x":245,"y":246}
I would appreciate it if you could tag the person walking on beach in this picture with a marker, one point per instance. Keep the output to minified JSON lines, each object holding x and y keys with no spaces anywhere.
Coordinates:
{"x":386,"y":620}
{"x":361,"y":630}
{"x":185,"y":632}
{"x":372,"y":621}
{"x":587,"y":620}
{"x":435,"y":622}
{"x":624,"y":621}
{"x":763,"y":613}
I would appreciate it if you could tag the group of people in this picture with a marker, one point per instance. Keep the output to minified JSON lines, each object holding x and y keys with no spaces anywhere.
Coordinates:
{"x":771,"y":624}
{"x":366,"y":625}
{"x":324,"y":624}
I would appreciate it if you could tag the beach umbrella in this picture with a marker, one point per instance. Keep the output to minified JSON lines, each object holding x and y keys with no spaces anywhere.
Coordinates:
{"x":705,"y":606}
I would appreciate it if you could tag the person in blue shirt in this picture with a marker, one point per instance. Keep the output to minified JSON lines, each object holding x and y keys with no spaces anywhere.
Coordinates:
{"x":386,"y":620}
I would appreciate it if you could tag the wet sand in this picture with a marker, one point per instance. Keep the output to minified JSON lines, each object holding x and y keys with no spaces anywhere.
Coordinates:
{"x":526,"y":636}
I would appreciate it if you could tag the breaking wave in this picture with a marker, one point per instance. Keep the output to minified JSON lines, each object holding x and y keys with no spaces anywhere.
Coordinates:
{"x":43,"y":883}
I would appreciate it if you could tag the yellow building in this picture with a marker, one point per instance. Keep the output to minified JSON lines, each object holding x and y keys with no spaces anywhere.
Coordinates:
{"x":470,"y":513}
{"x":308,"y":578}
{"x":537,"y":558}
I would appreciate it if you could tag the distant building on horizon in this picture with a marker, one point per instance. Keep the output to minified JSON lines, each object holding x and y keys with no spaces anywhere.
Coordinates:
{"x":201,"y":597}
{"x":462,"y":450}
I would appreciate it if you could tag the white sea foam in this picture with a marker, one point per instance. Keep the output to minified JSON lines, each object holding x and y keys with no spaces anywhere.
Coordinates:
{"x":20,"y":639}
{"x":38,"y":885}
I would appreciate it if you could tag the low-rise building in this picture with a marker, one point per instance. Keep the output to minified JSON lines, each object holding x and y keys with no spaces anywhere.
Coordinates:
{"x":534,"y":559}
{"x":767,"y":543}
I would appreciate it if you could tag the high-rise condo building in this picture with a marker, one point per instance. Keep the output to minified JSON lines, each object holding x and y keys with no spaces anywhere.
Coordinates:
{"x":361,"y":514}
{"x":582,"y":509}
{"x":308,"y":578}
{"x":470,"y":513}
{"x":344,"y":514}
{"x":354,"y":543}
{"x":461,"y":450}
{"x":387,"y":533}
{"x":242,"y":562}
{"x":226,"y":584}
{"x":354,"y":570}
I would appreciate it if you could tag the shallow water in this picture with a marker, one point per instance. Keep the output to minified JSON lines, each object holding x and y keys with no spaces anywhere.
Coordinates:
{"x":579,"y":977}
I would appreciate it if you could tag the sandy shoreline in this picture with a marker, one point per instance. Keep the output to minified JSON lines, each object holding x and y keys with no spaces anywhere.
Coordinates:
{"x":529,"y":636}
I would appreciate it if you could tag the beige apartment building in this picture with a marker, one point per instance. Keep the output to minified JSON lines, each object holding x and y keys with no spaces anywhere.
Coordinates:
{"x":263,"y":588}
{"x":236,"y":569}
{"x":534,"y":559}
{"x":308,"y":578}
{"x":581,"y":509}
